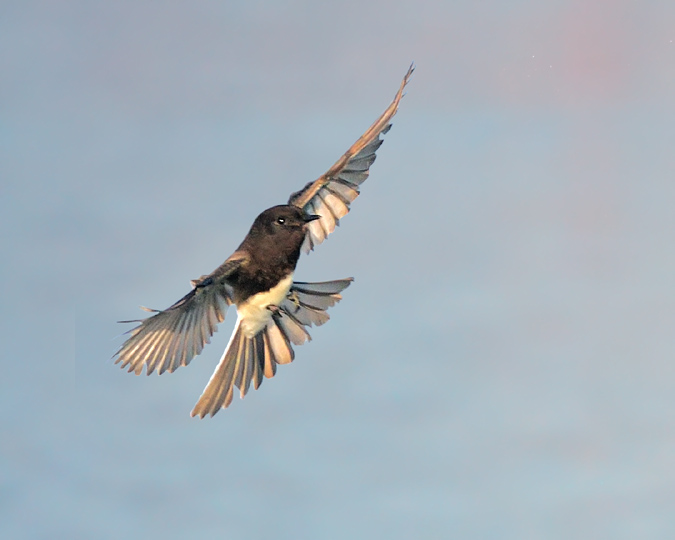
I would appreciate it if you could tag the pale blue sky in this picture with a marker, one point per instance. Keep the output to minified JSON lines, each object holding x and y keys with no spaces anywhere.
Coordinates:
{"x":502,"y":366}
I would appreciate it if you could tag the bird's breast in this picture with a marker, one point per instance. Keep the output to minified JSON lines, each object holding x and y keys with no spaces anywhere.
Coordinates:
{"x":254,"y":313}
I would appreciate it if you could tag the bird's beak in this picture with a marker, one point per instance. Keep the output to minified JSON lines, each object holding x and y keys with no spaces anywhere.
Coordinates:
{"x":311,"y":217}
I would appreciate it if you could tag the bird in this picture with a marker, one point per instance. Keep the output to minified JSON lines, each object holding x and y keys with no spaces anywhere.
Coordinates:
{"x":273,"y":310}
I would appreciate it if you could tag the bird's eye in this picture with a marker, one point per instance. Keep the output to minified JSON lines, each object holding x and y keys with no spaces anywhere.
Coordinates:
{"x":281,"y":220}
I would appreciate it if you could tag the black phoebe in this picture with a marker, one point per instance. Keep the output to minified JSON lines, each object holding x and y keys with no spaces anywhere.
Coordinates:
{"x":273,"y":311}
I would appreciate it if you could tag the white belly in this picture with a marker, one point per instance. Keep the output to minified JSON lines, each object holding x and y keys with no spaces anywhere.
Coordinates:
{"x":254,"y":313}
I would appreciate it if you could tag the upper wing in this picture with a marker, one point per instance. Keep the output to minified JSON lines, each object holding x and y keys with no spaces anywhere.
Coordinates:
{"x":174,"y":336}
{"x":331,"y":194}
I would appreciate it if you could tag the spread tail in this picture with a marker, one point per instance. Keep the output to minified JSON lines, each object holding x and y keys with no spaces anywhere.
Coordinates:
{"x":247,"y":359}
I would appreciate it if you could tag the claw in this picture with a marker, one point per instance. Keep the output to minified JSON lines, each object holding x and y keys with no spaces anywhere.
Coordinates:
{"x":293,"y":297}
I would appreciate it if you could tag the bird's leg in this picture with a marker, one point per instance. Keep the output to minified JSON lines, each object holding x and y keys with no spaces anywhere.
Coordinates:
{"x":293,"y":297}
{"x":274,"y":309}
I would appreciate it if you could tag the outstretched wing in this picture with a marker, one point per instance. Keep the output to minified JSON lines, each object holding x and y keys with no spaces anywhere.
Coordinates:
{"x":174,"y":336}
{"x":330,"y":195}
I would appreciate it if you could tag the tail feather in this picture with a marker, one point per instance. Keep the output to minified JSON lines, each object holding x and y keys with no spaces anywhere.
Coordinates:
{"x":292,"y":329}
{"x":281,"y":348}
{"x":258,"y":367}
{"x":246,"y":360}
{"x":218,"y":391}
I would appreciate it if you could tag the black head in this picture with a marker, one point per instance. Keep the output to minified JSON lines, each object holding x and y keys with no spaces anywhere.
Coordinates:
{"x":282,"y":219}
{"x":279,"y":230}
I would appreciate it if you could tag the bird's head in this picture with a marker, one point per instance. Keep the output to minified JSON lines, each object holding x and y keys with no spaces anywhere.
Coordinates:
{"x":283,"y":220}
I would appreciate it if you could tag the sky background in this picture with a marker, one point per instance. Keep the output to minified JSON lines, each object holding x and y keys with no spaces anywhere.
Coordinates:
{"x":502,"y":366}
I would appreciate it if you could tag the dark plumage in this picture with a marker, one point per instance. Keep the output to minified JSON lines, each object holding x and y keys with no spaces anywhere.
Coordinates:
{"x":273,"y":248}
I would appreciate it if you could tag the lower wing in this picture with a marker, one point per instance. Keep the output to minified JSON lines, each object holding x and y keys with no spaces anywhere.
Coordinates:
{"x":174,"y":336}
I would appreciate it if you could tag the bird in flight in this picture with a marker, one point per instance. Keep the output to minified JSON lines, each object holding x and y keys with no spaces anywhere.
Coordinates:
{"x":273,"y":311}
